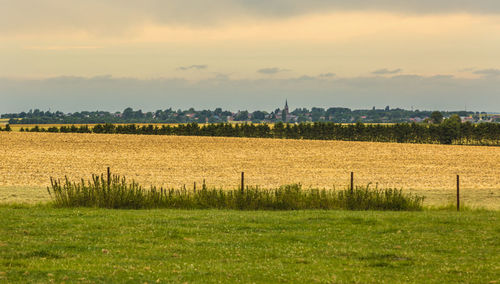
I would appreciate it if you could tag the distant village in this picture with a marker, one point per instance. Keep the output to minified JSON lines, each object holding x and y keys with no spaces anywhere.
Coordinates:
{"x":316,"y":114}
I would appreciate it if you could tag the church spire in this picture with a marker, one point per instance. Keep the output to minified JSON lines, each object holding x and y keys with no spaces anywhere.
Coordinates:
{"x":285,"y":113}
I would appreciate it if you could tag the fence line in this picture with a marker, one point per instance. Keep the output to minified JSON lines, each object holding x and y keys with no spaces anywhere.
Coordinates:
{"x":242,"y":185}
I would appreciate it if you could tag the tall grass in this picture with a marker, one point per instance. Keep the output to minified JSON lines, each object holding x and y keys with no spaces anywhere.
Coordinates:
{"x":118,"y":193}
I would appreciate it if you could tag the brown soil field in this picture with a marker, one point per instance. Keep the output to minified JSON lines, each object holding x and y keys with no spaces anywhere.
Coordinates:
{"x":28,"y":160}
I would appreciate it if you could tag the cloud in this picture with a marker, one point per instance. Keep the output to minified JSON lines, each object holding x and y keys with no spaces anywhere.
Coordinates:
{"x":270,"y":71}
{"x":488,"y":72}
{"x":327,"y":75}
{"x":110,"y":93}
{"x":221,"y":76}
{"x":441,"y":77}
{"x":386,"y":71}
{"x":196,"y":67}
{"x":112,"y":16}
{"x":305,"y":78}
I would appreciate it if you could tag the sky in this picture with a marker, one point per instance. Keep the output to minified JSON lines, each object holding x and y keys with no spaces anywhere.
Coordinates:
{"x":74,"y":55}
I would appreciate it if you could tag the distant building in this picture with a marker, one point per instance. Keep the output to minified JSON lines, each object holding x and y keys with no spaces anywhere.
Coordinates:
{"x":467,"y":119}
{"x":286,"y":113}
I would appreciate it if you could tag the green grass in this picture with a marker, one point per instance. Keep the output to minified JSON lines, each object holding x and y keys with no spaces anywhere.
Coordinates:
{"x":115,"y":192}
{"x":42,"y":244}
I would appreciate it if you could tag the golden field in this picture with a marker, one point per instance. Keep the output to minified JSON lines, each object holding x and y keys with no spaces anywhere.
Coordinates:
{"x":17,"y":127}
{"x":27,"y":160}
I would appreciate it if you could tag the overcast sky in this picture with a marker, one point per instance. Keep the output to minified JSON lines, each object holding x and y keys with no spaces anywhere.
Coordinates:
{"x":249,"y":54}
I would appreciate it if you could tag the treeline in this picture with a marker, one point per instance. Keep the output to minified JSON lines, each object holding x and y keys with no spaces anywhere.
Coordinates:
{"x":7,"y":128}
{"x":218,"y":115}
{"x":451,"y":131}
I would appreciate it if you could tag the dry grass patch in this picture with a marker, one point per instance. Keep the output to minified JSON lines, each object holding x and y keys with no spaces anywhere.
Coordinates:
{"x":22,"y":194}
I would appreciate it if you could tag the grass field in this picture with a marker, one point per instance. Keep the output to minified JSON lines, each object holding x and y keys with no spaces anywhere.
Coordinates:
{"x":41,"y":244}
{"x":27,"y":160}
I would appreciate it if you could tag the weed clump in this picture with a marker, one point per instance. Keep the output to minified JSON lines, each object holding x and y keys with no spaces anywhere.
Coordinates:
{"x":116,"y":192}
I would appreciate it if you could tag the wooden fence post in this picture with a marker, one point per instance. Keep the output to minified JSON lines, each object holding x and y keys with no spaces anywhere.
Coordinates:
{"x":458,"y":193}
{"x":242,"y":182}
{"x":194,"y":187}
{"x":109,"y":178}
{"x":352,"y":182}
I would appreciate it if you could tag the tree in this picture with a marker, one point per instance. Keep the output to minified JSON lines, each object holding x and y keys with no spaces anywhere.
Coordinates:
{"x":259,"y":115}
{"x":241,"y":116}
{"x":436,"y":117}
{"x":317,"y":113}
{"x":450,"y":130}
{"x":218,"y":111}
{"x":128,"y":113}
{"x":279,"y":129}
{"x":454,"y":119}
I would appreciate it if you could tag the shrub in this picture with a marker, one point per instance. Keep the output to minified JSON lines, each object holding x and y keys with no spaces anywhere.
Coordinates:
{"x":115,"y":192}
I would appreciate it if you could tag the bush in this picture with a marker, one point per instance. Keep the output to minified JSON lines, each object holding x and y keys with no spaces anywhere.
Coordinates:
{"x":116,"y":193}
